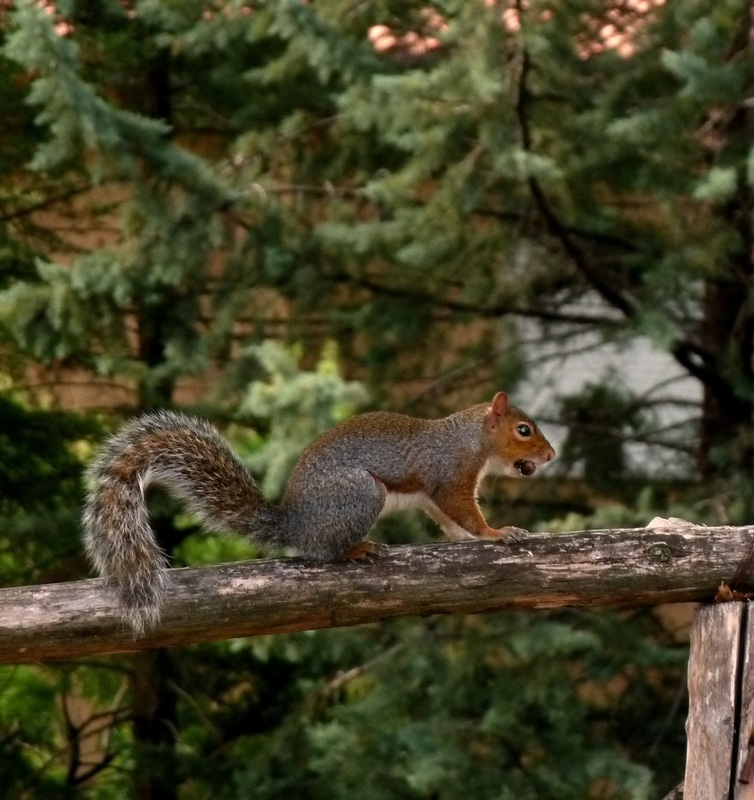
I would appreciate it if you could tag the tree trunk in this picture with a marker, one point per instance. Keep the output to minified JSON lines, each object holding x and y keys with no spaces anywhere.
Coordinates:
{"x":726,"y":335}
{"x":152,"y":673}
{"x":155,"y":734}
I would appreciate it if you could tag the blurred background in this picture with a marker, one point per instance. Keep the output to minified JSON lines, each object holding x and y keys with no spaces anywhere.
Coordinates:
{"x":277,"y":214}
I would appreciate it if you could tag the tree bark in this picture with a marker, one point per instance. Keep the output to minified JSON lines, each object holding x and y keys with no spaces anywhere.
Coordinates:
{"x":154,"y":722}
{"x":720,"y":750}
{"x":597,"y":568}
{"x":726,"y":334}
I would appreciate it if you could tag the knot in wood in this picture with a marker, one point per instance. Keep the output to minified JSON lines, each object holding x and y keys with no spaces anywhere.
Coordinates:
{"x":659,"y":552}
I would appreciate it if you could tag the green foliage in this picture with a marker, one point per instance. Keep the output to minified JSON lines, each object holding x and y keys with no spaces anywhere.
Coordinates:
{"x":27,"y":696}
{"x":37,"y":460}
{"x":602,"y":423}
{"x":297,"y":405}
{"x":502,"y":706}
{"x":41,"y":458}
{"x":82,"y":123}
{"x":85,"y":313}
{"x":52,"y":723}
{"x":40,"y":488}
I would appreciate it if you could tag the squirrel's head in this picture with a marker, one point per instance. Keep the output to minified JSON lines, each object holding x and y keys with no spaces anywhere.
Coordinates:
{"x":518,"y":447}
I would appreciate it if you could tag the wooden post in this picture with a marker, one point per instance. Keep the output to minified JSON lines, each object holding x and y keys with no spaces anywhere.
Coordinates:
{"x":720,"y":725}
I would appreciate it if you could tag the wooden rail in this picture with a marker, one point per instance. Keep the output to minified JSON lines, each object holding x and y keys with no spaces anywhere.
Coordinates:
{"x":595,"y":568}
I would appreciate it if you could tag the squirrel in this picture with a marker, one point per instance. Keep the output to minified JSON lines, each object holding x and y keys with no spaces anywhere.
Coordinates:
{"x":365,"y":466}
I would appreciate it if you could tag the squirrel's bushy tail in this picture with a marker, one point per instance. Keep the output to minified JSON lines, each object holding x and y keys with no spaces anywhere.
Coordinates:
{"x":191,"y":459}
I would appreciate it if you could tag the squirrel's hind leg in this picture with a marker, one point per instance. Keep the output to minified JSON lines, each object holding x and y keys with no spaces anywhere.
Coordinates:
{"x":365,"y":550}
{"x":334,"y":522}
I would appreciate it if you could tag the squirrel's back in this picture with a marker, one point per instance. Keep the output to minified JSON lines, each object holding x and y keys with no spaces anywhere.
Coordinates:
{"x":395,"y":448}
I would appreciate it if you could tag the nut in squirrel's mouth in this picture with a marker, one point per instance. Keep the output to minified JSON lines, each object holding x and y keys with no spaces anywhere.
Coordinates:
{"x":525,"y":467}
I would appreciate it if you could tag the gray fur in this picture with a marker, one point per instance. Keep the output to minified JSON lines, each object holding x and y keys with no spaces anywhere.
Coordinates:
{"x":191,"y":459}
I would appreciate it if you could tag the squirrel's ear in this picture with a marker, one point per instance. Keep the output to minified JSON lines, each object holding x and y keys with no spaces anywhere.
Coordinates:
{"x":499,"y":408}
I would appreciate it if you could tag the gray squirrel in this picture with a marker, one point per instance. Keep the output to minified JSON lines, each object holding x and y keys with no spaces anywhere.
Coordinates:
{"x":367,"y":465}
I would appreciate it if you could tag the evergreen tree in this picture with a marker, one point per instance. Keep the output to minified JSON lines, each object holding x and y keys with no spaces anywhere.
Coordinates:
{"x":586,"y":166}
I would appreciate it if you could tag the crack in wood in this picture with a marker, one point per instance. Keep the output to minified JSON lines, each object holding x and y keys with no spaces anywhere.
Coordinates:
{"x":738,"y":700}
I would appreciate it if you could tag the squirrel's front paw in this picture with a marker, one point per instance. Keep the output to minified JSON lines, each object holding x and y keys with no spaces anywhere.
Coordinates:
{"x":507,"y":534}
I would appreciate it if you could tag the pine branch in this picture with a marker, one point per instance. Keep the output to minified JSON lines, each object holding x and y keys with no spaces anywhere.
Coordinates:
{"x":556,"y":227}
{"x":611,"y":240}
{"x":479,"y":310}
{"x":46,"y":202}
{"x":700,"y":364}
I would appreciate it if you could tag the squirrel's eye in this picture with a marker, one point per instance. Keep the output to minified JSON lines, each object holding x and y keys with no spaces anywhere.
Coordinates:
{"x":523,"y":429}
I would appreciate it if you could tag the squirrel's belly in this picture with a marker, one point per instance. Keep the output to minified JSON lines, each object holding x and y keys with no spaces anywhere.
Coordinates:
{"x":397,"y":501}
